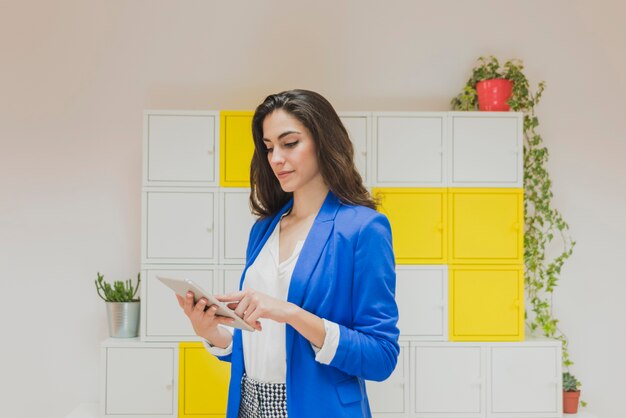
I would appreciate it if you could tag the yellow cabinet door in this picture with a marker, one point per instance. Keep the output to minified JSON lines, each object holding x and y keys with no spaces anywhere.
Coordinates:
{"x":486,"y":226}
{"x":486,"y":303}
{"x":203,"y":383}
{"x":418,"y":223}
{"x":236,"y":148}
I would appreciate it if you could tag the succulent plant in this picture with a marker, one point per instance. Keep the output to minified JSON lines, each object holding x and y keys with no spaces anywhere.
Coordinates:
{"x":570,"y":383}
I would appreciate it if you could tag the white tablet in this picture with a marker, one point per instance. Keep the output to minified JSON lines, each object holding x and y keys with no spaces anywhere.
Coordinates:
{"x":182,"y":286}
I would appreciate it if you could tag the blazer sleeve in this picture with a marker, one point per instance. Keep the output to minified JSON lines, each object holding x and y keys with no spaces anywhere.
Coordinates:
{"x":369,"y":348}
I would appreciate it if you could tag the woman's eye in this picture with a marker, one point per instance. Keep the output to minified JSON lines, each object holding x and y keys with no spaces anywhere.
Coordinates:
{"x":291,"y":144}
{"x":268,"y":150}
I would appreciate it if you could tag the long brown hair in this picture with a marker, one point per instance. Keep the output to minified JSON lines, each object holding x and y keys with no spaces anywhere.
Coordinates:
{"x":335,"y":153}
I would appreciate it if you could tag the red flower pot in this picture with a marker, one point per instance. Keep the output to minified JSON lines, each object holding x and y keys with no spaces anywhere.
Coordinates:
{"x":493,"y":94}
{"x":570,"y":402}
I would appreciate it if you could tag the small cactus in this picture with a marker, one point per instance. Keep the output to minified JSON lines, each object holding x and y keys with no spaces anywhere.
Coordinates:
{"x":119,"y":292}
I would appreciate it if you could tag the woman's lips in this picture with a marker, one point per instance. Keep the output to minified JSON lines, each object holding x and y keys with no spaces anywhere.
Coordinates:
{"x":282,"y":174}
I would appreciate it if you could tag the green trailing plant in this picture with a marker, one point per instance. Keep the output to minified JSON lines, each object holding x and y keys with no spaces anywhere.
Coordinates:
{"x":121,"y":291}
{"x":570,"y":383}
{"x":543,"y":223}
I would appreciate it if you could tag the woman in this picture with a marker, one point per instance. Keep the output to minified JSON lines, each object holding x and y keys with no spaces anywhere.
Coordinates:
{"x":319,"y":280}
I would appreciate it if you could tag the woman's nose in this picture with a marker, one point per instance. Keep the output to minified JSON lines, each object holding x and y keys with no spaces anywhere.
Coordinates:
{"x":276,"y":156}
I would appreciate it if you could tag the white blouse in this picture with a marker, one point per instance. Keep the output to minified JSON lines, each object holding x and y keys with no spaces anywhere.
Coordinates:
{"x":265,"y":351}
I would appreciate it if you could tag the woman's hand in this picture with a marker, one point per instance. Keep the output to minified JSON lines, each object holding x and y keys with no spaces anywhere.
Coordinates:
{"x":205,"y":322}
{"x":252,"y":305}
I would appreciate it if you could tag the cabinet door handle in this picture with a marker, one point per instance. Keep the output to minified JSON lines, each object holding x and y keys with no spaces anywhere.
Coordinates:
{"x":516,"y":226}
{"x":209,"y":229}
{"x":440,"y":227}
{"x":168,"y":387}
{"x":210,"y":152}
{"x":363,"y":152}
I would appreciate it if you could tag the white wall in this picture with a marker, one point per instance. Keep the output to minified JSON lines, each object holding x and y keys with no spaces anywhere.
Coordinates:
{"x":76,"y":75}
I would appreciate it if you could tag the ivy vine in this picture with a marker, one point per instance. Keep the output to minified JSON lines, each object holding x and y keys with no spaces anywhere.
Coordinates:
{"x":543,"y":223}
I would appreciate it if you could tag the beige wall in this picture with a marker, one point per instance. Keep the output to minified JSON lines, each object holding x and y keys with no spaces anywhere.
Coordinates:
{"x":75,"y":77}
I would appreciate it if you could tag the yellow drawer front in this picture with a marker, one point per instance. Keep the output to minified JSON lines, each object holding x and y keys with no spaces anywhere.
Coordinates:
{"x":486,"y":226}
{"x":486,"y":303}
{"x":418,"y":223}
{"x":203,"y":383}
{"x":236,"y":148}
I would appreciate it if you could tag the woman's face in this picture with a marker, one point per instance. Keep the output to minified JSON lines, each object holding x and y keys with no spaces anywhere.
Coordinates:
{"x":290,"y":151}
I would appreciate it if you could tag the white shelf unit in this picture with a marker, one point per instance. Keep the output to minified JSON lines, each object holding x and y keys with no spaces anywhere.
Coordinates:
{"x":192,"y":227}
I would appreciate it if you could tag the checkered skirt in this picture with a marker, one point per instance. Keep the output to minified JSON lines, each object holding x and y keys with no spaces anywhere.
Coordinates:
{"x":262,"y":400}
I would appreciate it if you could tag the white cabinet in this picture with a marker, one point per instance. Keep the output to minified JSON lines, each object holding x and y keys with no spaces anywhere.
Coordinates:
{"x":194,"y":228}
{"x":139,"y":380}
{"x":236,"y":219}
{"x":448,"y":380}
{"x":422,"y":294}
{"x":162,"y":319}
{"x":409,"y":149}
{"x":525,"y":380}
{"x":486,"y":149}
{"x":390,"y":399}
{"x":179,"y":226}
{"x":486,"y":379}
{"x":358,"y":127}
{"x":180,"y":148}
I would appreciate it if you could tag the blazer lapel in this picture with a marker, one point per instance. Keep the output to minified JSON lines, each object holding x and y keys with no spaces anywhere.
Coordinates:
{"x":263,"y":240}
{"x":312,"y":249}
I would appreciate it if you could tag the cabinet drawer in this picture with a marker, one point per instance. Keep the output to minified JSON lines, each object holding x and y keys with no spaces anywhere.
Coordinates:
{"x":486,"y":303}
{"x":486,"y":226}
{"x":179,"y":148}
{"x":161,"y":317}
{"x":203,"y":390}
{"x":525,"y":380}
{"x":231,"y":276}
{"x":236,"y":222}
{"x":486,"y":150}
{"x":448,"y":381}
{"x":236,"y":148}
{"x":139,"y":381}
{"x":358,"y":127}
{"x":409,"y":150}
{"x":418,"y":223}
{"x":422,"y":296}
{"x":179,"y":226}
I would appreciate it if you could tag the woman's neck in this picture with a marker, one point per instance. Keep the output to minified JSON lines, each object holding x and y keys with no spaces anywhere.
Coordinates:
{"x":307,"y":202}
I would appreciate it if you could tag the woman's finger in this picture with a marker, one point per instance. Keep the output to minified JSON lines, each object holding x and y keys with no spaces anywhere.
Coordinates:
{"x":201,"y":305}
{"x":188,"y":305}
{"x":210,"y":313}
{"x":252,"y":317}
{"x":224,"y":320}
{"x":231,"y":297}
{"x":242,"y":306}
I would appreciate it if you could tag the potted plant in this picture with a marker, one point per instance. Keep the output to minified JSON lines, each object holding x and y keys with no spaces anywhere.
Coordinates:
{"x":122,"y":306}
{"x":571,"y":393}
{"x":493,"y":87}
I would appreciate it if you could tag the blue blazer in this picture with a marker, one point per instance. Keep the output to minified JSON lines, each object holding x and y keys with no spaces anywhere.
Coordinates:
{"x":346,"y":274}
